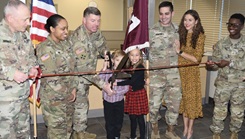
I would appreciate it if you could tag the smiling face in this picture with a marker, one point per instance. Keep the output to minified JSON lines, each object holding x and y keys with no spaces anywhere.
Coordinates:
{"x":234,"y":27}
{"x":189,"y":22}
{"x":59,"y":32}
{"x":135,"y":56}
{"x":165,"y":16}
{"x":91,"y":23}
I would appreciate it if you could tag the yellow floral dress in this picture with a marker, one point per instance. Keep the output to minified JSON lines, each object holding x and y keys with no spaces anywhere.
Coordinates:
{"x":191,"y":103}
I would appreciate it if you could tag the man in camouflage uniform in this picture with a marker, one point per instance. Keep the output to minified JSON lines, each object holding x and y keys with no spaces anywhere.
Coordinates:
{"x":229,"y":59}
{"x":165,"y":83}
{"x":87,"y":42}
{"x":17,"y":61}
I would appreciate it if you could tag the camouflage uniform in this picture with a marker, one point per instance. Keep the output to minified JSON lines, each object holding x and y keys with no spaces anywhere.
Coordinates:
{"x":86,"y":47}
{"x":164,"y":83}
{"x":229,"y":84}
{"x":55,"y":92}
{"x":16,"y":52}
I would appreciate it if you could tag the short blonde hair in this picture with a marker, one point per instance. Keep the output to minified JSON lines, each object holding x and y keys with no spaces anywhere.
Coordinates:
{"x":118,"y":53}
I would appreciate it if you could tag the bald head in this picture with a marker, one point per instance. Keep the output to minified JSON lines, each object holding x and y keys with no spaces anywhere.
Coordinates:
{"x":17,"y":15}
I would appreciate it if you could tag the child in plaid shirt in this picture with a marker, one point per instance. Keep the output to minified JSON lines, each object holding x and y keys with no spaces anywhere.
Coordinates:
{"x":113,"y":104}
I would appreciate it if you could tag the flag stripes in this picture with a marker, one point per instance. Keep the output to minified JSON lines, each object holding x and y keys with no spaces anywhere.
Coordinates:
{"x":47,"y":5}
{"x":41,"y":10}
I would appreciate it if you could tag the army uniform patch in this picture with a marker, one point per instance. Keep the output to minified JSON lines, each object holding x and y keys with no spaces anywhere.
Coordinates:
{"x":79,"y":51}
{"x":45,"y":57}
{"x":7,"y":41}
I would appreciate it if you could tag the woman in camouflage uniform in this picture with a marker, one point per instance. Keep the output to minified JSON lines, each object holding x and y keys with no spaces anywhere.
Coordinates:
{"x":57,"y":93}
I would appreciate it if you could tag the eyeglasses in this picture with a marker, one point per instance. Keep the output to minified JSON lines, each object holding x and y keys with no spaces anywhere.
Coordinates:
{"x":232,"y":25}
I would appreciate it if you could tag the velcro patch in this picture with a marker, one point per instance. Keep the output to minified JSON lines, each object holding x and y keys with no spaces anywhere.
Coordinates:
{"x":7,"y":41}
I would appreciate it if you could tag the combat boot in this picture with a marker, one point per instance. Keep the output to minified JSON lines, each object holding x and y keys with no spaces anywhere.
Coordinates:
{"x":155,"y":132}
{"x":74,"y":135}
{"x":170,"y":134}
{"x":234,"y":135}
{"x":216,"y":136}
{"x":86,"y":135}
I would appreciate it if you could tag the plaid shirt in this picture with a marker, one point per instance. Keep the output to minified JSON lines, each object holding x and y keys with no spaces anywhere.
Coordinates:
{"x":120,"y":90}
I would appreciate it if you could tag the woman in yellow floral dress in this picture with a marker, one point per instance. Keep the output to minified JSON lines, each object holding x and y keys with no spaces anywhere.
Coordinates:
{"x":190,"y":49}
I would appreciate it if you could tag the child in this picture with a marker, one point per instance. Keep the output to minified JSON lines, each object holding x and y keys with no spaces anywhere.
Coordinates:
{"x":136,"y":104}
{"x":113,"y":104}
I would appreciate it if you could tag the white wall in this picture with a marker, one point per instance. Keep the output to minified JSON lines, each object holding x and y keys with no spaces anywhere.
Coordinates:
{"x":111,"y":13}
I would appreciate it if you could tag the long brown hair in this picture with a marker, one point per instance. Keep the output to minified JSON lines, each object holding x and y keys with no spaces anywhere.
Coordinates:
{"x":198,"y":29}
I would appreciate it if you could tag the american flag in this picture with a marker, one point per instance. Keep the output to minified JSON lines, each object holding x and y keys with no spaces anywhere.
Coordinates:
{"x":41,"y":11}
{"x":137,"y":34}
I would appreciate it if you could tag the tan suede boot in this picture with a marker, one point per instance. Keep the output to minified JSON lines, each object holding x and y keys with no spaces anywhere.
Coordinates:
{"x":216,"y":136}
{"x":234,"y":135}
{"x":155,"y":132}
{"x":170,"y":134}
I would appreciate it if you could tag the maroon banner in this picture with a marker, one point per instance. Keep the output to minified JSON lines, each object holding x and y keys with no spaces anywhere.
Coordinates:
{"x":137,"y":33}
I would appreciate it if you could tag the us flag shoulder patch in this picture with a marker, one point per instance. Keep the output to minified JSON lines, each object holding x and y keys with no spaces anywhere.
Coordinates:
{"x":45,"y":57}
{"x":79,"y":51}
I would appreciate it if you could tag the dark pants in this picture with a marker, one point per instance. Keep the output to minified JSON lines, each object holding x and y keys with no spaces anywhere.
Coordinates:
{"x":134,"y":119}
{"x":113,"y":113}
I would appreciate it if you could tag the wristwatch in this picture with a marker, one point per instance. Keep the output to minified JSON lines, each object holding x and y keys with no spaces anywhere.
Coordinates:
{"x":180,"y":52}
